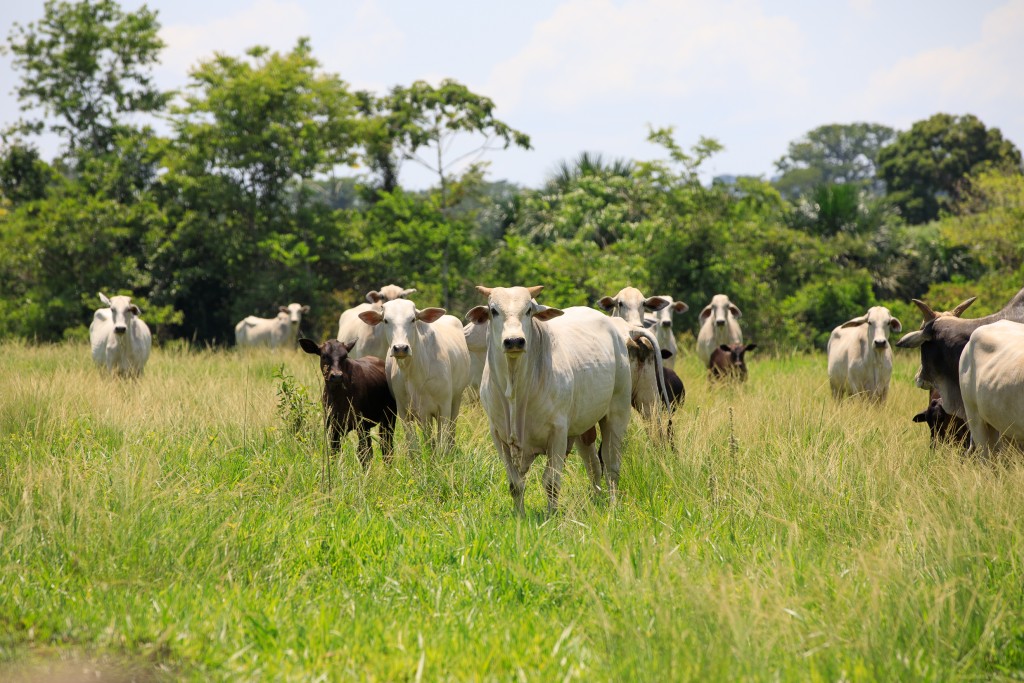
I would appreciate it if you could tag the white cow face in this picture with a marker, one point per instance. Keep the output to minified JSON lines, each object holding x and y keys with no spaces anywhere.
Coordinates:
{"x":294,"y":312}
{"x":663,"y":318}
{"x":122,"y":311}
{"x":719,"y":310}
{"x":399,"y":318}
{"x":879,"y":324}
{"x":510,"y":311}
{"x":630,"y":305}
{"x":388,"y":293}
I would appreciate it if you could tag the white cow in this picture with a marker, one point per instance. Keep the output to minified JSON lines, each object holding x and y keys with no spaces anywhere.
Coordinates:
{"x":992,"y":385}
{"x":369,"y":340}
{"x":476,"y":341}
{"x":661,"y":321}
{"x":282,"y":331}
{"x":719,"y":324}
{"x":551,"y":378}
{"x":859,"y":355}
{"x":427,"y":367}
{"x":120,"y":341}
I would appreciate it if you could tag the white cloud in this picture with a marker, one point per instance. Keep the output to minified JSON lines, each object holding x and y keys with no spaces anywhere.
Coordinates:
{"x":369,"y":34}
{"x":274,"y":23}
{"x":590,"y":50}
{"x":980,"y":77}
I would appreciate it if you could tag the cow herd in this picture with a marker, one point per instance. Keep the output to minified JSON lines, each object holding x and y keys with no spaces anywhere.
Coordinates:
{"x":550,"y":379}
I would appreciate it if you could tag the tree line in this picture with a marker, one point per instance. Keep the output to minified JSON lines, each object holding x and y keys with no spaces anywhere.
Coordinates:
{"x":271,"y":180}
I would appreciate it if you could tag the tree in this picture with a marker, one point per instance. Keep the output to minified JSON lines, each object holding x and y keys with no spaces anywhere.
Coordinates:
{"x":87,"y":66}
{"x":924,"y":169}
{"x":836,"y":153}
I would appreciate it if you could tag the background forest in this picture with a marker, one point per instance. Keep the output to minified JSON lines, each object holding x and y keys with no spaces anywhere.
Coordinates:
{"x":269,"y":180}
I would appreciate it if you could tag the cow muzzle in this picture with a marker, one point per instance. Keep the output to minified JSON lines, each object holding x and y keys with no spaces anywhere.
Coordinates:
{"x":335,"y":377}
{"x":120,"y":329}
{"x":881,"y":343}
{"x":666,"y":323}
{"x":514,"y":344}
{"x":400,"y":351}
{"x":720,"y":323}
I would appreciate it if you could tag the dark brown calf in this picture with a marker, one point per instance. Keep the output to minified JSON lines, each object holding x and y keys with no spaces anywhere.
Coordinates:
{"x":356,"y":396}
{"x":674,"y":387}
{"x":727,"y":362}
{"x":943,"y":426}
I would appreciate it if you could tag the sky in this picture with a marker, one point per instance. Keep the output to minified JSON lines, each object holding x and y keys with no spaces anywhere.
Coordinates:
{"x":594,"y":75}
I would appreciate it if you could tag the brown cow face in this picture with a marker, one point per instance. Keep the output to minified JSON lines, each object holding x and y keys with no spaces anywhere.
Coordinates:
{"x":333,"y":356}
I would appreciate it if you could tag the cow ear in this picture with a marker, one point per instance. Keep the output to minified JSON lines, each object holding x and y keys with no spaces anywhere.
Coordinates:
{"x":750,"y":347}
{"x":407,"y":292}
{"x":855,"y":322}
{"x":309,"y":346}
{"x":725,"y":347}
{"x":282,"y":309}
{"x":304,"y":309}
{"x":921,"y":417}
{"x":680,"y":307}
{"x":895,"y":325}
{"x":545,"y":313}
{"x":371,"y":318}
{"x":666,"y":354}
{"x":656,"y":303}
{"x":135,"y":309}
{"x":104,"y":299}
{"x":705,"y":313}
{"x":349,"y":345}
{"x":478,"y":315}
{"x":429,"y":315}
{"x":912,"y":340}
{"x":607,"y":303}
{"x":373,"y":296}
{"x":736,"y":312}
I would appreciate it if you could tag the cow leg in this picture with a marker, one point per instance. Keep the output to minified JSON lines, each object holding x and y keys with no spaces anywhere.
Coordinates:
{"x":553,"y":469}
{"x":588,"y":452}
{"x":516,"y":481}
{"x":984,"y":437}
{"x":613,"y":430}
{"x":334,"y":432}
{"x":387,"y":435}
{"x":365,"y":452}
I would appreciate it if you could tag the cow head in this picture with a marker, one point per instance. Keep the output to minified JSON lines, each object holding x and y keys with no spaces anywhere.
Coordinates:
{"x":933,"y":358}
{"x":399,"y":318}
{"x":333,"y":356}
{"x":511,"y":312}
{"x":737,"y":354}
{"x":878,"y":323}
{"x":122,"y":311}
{"x":388,"y":293}
{"x":294,"y":313}
{"x":719,"y":310}
{"x":630,"y":305}
{"x":663,"y":318}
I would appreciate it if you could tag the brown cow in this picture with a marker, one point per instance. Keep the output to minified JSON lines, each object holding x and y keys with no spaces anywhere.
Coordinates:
{"x":727,"y":362}
{"x":356,"y":396}
{"x":943,"y":426}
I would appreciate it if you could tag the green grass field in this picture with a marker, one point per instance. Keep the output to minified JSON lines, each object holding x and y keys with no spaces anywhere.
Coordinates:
{"x":175,"y":529}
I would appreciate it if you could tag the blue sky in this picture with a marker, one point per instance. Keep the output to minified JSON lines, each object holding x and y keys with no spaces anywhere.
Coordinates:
{"x":593,"y":74}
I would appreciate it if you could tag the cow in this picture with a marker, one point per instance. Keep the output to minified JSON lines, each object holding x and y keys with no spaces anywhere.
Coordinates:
{"x":476,"y":342}
{"x":674,"y":386}
{"x":550,"y":378}
{"x":719,"y":324}
{"x":728,"y":362}
{"x":942,"y":426}
{"x":356,"y":396}
{"x":279,"y":332}
{"x":661,"y":321}
{"x":120,"y":340}
{"x":942,"y":339}
{"x":427,"y":367}
{"x":369,"y":340}
{"x":992,"y":385}
{"x":859,"y":355}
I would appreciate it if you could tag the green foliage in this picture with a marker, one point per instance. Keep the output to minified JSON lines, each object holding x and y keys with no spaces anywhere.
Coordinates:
{"x":845,"y":154}
{"x":24,"y":176}
{"x":810,"y":314}
{"x":295,"y":408}
{"x":925,"y":168}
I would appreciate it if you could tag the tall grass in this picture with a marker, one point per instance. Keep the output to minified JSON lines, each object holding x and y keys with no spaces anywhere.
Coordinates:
{"x":176,"y":527}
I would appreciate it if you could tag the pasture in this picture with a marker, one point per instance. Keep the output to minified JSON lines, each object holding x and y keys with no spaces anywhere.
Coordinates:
{"x":176,"y":529}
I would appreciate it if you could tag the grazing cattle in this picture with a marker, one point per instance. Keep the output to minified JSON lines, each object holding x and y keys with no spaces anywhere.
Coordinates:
{"x":661,"y":321}
{"x":942,"y":426}
{"x":120,"y":340}
{"x":369,"y":340}
{"x":356,"y":396}
{"x":427,"y":367}
{"x":992,"y":385}
{"x":942,"y":339}
{"x":282,"y":331}
{"x":728,"y":362}
{"x":859,"y":355}
{"x":719,"y":324}
{"x":550,"y":378}
{"x":476,"y":342}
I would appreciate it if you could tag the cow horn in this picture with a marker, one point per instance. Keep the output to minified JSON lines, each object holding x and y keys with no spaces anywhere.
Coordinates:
{"x":929,"y":314}
{"x":486,"y":291}
{"x":963,"y":306}
{"x":535,"y":290}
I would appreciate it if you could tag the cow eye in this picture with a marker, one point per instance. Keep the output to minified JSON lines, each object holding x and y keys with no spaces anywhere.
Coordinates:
{"x":494,"y":311}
